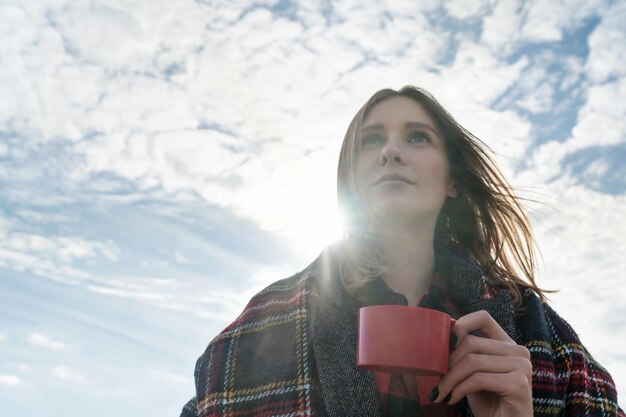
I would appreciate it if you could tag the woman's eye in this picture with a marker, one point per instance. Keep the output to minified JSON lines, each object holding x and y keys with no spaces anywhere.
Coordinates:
{"x":418,"y":138}
{"x":372,"y":140}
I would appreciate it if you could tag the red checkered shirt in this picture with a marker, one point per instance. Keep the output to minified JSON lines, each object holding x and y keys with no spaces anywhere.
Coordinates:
{"x":406,"y":395}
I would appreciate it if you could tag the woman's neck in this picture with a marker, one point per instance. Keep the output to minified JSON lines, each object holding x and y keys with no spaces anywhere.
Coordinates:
{"x":410,"y":259}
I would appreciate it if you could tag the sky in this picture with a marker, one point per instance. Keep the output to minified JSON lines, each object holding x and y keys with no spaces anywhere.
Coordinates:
{"x":163,"y":161}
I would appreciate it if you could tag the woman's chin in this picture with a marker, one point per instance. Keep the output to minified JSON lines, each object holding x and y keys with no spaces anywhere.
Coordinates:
{"x":402,"y":211}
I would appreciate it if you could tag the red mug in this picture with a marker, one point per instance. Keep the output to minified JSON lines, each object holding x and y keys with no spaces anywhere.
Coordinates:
{"x":401,"y":339}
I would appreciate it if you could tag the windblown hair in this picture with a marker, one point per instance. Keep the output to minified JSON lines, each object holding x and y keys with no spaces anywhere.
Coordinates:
{"x":485,"y":219}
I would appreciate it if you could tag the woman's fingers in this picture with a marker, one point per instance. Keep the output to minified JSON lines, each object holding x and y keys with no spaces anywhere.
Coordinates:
{"x":505,"y":385}
{"x":492,"y":364}
{"x":474,"y":344}
{"x":486,"y":367}
{"x":483,"y":322}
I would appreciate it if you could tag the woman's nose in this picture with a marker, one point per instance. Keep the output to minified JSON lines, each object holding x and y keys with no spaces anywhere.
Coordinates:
{"x":391,"y":152}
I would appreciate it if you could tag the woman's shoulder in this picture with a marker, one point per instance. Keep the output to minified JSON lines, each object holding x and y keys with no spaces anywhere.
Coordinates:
{"x":543,"y":329}
{"x":277,"y":301}
{"x":537,"y":320}
{"x":258,"y":346}
{"x":565,"y":375}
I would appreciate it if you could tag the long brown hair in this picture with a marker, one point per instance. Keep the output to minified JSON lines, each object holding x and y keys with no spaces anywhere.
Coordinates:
{"x":486,"y":218}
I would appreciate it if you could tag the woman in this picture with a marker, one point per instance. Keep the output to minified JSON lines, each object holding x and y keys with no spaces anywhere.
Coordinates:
{"x":431,"y":223}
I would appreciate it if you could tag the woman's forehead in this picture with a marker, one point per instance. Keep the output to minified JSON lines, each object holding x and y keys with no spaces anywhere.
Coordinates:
{"x":396,"y":112}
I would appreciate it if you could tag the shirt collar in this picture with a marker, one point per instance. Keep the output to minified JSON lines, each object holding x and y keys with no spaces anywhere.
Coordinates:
{"x":377,"y":292}
{"x":463,"y":283}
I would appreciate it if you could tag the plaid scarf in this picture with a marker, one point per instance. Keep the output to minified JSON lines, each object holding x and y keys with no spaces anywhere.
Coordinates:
{"x":292,"y":351}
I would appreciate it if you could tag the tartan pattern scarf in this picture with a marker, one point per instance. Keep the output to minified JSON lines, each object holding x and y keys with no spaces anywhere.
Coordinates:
{"x":292,"y":351}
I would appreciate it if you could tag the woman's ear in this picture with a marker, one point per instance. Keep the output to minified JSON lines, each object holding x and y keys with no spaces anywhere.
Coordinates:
{"x":452,"y":191}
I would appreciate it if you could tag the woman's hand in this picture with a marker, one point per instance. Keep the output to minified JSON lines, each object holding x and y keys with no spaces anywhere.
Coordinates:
{"x":493,"y":372}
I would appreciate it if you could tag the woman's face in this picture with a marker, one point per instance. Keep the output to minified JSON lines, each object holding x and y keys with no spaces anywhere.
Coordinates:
{"x":403,"y":168}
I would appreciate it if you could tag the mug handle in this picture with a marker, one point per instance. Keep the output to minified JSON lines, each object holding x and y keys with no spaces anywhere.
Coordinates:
{"x":452,"y":322}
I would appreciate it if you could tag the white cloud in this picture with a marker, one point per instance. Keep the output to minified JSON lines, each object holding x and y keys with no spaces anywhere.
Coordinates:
{"x":506,"y":132}
{"x":178,"y":159}
{"x":23,"y":250}
{"x":601,"y":120}
{"x":574,"y":67}
{"x":32,"y":102}
{"x":134,"y":103}
{"x":31,"y":253}
{"x":181,"y":258}
{"x":607,"y":55}
{"x":10,"y":380}
{"x":466,"y":9}
{"x":66,"y":373}
{"x":127,"y":291}
{"x":546,"y":21}
{"x":3,"y":337}
{"x":596,"y":169}
{"x":105,"y":25}
{"x":512,"y":22}
{"x":224,"y":79}
{"x":23,"y":367}
{"x":501,"y":29}
{"x":60,"y":248}
{"x":539,"y":101}
{"x":477,"y":77}
{"x":536,"y":85}
{"x":41,"y":340}
{"x":20,"y":261}
{"x":32,"y":216}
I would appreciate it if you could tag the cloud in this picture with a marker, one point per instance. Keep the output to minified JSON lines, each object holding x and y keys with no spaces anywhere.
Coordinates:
{"x":10,"y":380}
{"x":477,"y":76}
{"x":513,"y":22}
{"x":60,"y":248}
{"x":178,"y":161}
{"x":601,"y":121}
{"x":67,"y":374}
{"x":41,"y":340}
{"x":127,"y":291}
{"x":24,"y":249}
{"x":181,"y":258}
{"x":600,"y":125}
{"x":162,"y":285}
{"x":501,"y":28}
{"x":37,"y":217}
{"x":228,"y":121}
{"x":107,"y":26}
{"x":546,"y":21}
{"x":466,"y":9}
{"x":607,"y":56}
{"x":3,"y":337}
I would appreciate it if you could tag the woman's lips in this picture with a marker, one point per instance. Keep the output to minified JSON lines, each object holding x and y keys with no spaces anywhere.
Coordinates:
{"x":393,"y":177}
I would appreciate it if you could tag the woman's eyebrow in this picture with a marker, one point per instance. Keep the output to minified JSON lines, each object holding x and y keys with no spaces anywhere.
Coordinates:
{"x":375,"y":126}
{"x":407,"y":125}
{"x":420,"y":125}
